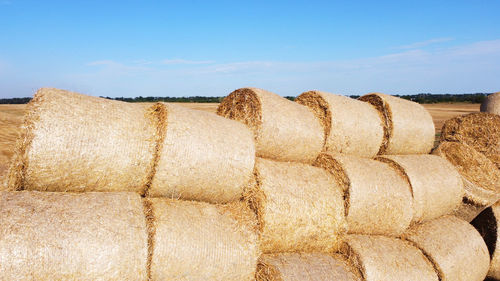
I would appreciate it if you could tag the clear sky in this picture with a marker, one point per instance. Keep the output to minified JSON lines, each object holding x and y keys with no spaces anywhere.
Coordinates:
{"x":210,"y":48}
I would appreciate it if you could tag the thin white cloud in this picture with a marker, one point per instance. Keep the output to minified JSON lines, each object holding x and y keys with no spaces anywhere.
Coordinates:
{"x":464,"y":68}
{"x":102,"y":62}
{"x":183,"y":61}
{"x":425,"y":43}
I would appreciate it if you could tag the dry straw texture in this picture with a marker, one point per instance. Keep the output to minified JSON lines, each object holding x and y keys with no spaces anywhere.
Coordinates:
{"x":305,"y":267}
{"x":67,"y":236}
{"x":283,"y":130}
{"x":479,"y":130}
{"x":408,"y":127}
{"x":487,"y":224}
{"x":350,"y":126}
{"x":378,"y":199}
{"x":381,"y":258}
{"x":491,"y":104}
{"x":299,"y":207}
{"x":200,"y":241}
{"x":454,"y":247}
{"x":73,"y":142}
{"x":436,"y":185}
{"x":480,"y":176}
{"x":203,"y":156}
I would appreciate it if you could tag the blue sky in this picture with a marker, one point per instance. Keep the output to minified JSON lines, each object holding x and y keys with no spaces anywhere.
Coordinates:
{"x":210,"y":48}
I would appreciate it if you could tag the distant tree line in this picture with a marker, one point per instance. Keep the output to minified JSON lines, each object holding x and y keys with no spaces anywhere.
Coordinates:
{"x":15,"y":101}
{"x":420,"y":98}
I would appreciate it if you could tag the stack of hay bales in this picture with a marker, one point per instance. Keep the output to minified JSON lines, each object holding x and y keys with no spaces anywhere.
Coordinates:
{"x":324,"y":188}
{"x":73,"y":142}
{"x":73,"y":145}
{"x":298,"y":207}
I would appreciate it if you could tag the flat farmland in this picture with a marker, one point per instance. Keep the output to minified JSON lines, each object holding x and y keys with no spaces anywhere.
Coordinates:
{"x":11,"y":117}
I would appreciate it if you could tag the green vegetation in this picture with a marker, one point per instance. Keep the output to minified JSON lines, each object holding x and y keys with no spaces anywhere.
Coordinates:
{"x":420,"y":98}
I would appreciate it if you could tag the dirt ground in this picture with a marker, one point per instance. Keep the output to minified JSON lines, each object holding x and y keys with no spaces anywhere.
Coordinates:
{"x":11,"y":119}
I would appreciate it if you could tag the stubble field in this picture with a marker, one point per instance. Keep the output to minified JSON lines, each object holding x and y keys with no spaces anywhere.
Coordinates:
{"x":11,"y":117}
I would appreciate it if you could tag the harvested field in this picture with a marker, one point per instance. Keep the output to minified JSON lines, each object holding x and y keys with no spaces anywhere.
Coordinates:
{"x":11,"y":116}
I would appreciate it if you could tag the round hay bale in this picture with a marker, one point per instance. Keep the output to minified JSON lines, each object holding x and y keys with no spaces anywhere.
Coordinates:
{"x":408,"y":126}
{"x":479,"y":130}
{"x":436,"y":186}
{"x":381,"y":258}
{"x":491,"y":104}
{"x":203,"y":156}
{"x":67,"y":236}
{"x":350,"y":126}
{"x":305,"y":267}
{"x":454,"y":247}
{"x":480,"y":176}
{"x":283,"y":130}
{"x":299,"y":207}
{"x":73,"y":142}
{"x":199,"y":241}
{"x":372,"y":191}
{"x":487,"y":223}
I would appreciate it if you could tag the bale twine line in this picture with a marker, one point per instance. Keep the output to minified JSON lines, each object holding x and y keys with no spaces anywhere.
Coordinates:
{"x":151,"y":232}
{"x":160,"y":113}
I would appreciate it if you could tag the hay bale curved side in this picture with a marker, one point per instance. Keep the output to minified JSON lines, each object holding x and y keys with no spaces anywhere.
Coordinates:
{"x":203,"y":157}
{"x":481,"y":131}
{"x":350,"y":126}
{"x":454,"y":247}
{"x":487,"y":224}
{"x":480,"y":176}
{"x":74,"y":142}
{"x":436,"y":185}
{"x":491,"y":104}
{"x":305,"y":267}
{"x":67,"y":236}
{"x":372,"y":193}
{"x":381,"y":258}
{"x":203,"y":241}
{"x":283,"y":130}
{"x":408,"y":126}
{"x":299,"y":207}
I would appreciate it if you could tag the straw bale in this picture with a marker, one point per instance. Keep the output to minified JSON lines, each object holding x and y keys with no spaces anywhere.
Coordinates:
{"x":480,"y":176}
{"x":436,"y":185}
{"x":74,"y":142}
{"x":69,"y":236}
{"x":479,"y":130}
{"x":487,"y":224}
{"x":305,"y":267}
{"x":299,"y":207}
{"x":491,"y":104}
{"x":408,"y":127}
{"x":350,"y":126}
{"x":199,"y":241}
{"x":283,"y":130}
{"x":454,"y":247}
{"x":377,"y":197}
{"x":203,"y":157}
{"x":381,"y":258}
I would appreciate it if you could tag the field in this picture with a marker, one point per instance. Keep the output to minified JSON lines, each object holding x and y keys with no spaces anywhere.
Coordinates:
{"x":11,"y":118}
